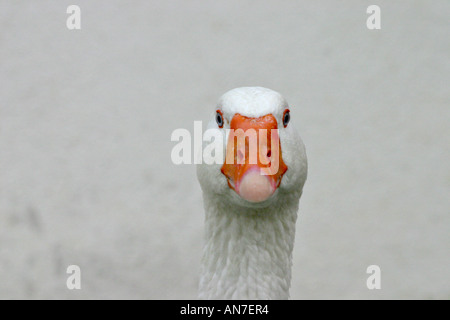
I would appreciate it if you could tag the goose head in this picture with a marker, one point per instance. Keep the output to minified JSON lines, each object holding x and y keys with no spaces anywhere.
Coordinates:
{"x":278,"y":168}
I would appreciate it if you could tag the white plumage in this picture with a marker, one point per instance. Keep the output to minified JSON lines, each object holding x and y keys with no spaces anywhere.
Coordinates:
{"x":248,"y":245}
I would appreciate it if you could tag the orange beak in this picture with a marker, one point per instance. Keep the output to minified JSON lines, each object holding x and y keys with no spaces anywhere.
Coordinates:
{"x":254,"y":164}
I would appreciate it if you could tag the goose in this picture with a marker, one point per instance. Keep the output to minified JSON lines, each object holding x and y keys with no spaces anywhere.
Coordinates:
{"x":250,"y":212}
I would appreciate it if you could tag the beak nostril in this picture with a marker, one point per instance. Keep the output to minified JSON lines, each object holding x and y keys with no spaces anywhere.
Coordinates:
{"x":240,"y":155}
{"x":269,"y":154}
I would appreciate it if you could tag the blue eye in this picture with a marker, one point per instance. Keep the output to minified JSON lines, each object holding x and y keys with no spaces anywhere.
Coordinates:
{"x":219,"y":118}
{"x":286,"y":117}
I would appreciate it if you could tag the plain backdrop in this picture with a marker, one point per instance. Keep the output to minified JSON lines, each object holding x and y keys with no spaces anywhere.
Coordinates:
{"x":86,"y":117}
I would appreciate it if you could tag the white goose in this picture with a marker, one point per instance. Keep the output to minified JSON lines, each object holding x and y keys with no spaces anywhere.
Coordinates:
{"x":250,"y":217}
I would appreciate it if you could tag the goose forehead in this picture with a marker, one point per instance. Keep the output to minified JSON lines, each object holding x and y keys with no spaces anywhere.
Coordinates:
{"x":252,"y":102}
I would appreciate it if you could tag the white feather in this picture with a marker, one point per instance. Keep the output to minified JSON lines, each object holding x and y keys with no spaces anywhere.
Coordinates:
{"x":248,"y":247}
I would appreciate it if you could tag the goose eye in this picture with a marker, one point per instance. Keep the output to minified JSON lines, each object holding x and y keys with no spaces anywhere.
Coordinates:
{"x":219,"y":118}
{"x":286,"y":117}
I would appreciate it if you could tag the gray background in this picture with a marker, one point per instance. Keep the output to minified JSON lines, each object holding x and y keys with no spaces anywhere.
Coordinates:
{"x":86,"y":118}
